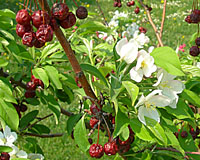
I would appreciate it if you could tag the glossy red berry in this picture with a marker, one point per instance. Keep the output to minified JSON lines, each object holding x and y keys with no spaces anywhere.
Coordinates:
{"x":197,"y":41}
{"x":193,"y":134}
{"x":137,"y":10}
{"x":31,"y":86}
{"x":188,"y":19}
{"x":110,"y":148}
{"x":37,"y":18}
{"x":194,"y":51}
{"x":5,"y":156}
{"x":142,"y":30}
{"x":96,"y":150}
{"x":132,"y":3}
{"x":44,"y":33}
{"x":184,"y":134}
{"x":115,"y":4}
{"x":94,"y":109}
{"x":119,"y":5}
{"x":22,"y":29}
{"x":17,"y":107}
{"x":60,"y":11}
{"x":128,"y":4}
{"x":124,"y":148}
{"x":69,"y":21}
{"x":30,"y":94}
{"x":81,"y":12}
{"x":93,"y":122}
{"x":38,"y":44}
{"x":29,"y":39}
{"x":23,"y":17}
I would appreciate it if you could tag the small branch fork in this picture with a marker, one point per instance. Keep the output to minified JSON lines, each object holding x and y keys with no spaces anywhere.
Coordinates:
{"x":70,"y":54}
{"x":152,"y":23}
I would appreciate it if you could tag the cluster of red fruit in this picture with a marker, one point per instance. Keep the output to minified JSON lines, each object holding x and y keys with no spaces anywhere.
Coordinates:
{"x":4,"y":156}
{"x":184,"y":134}
{"x":113,"y":146}
{"x":142,"y":30}
{"x":117,"y":3}
{"x":31,"y":87}
{"x":45,"y":24}
{"x":194,"y":17}
{"x":20,"y":108}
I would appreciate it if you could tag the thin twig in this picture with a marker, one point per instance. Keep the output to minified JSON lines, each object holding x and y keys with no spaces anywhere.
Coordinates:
{"x":44,"y":135}
{"x":152,"y":23}
{"x":163,"y":18}
{"x":102,"y":12}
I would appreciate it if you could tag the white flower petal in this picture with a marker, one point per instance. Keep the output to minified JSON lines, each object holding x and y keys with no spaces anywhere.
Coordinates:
{"x":159,"y":100}
{"x":120,"y":44}
{"x":139,"y":62}
{"x":148,"y":70}
{"x":14,"y":151}
{"x":1,"y":135}
{"x":1,"y":142}
{"x":151,"y":49}
{"x":136,"y":75}
{"x":159,"y":76}
{"x":141,"y":101}
{"x":176,"y":85}
{"x":22,"y":154}
{"x":7,"y":132}
{"x":148,"y":112}
{"x":174,"y":102}
{"x":153,"y":93}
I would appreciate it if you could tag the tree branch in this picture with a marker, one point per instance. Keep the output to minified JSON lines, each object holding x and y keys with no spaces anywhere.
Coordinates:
{"x":163,"y":18}
{"x":106,"y":23}
{"x":152,"y":23}
{"x":70,"y":54}
{"x":44,"y":135}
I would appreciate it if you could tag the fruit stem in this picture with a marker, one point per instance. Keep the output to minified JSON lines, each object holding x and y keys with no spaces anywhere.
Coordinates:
{"x":108,"y":130}
{"x":24,"y":3}
{"x":43,"y":10}
{"x":98,"y":132}
{"x":75,"y":3}
{"x":36,"y":5}
{"x":72,"y":59}
{"x":163,"y":18}
{"x":27,"y":4}
{"x":30,"y":7}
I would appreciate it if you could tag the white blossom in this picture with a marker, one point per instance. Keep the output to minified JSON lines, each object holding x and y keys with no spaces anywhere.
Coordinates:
{"x":169,"y":86}
{"x":127,"y":50}
{"x":141,"y":39}
{"x":145,"y":66}
{"x":33,"y":156}
{"x":16,"y":153}
{"x":147,"y":106}
{"x":7,"y":138}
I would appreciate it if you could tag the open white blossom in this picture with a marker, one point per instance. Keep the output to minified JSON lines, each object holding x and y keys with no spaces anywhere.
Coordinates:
{"x":127,"y":50}
{"x":169,"y":86}
{"x":198,"y":64}
{"x":141,"y":39}
{"x":7,"y":138}
{"x":147,"y":105}
{"x":33,"y":156}
{"x":16,"y":153}
{"x":145,"y":66}
{"x":131,"y":29}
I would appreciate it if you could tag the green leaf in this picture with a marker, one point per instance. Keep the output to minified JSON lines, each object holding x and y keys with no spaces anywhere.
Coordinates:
{"x":181,"y":110}
{"x":156,"y":129}
{"x":94,"y":71}
{"x":7,"y":13}
{"x":5,"y":149}
{"x":187,"y":143}
{"x":50,"y":49}
{"x":3,"y":62}
{"x":191,"y":97}
{"x":193,"y":37}
{"x":29,"y":117}
{"x":25,"y":55}
{"x":166,"y":58}
{"x":9,"y":114}
{"x":80,"y":135}
{"x":53,"y":76}
{"x":4,"y":41}
{"x":7,"y":34}
{"x":121,"y":122}
{"x":140,"y":130}
{"x":72,"y":121}
{"x":194,"y":70}
{"x":41,"y":129}
{"x":6,"y":93}
{"x":132,"y":89}
{"x":94,"y":26}
{"x":53,"y":106}
{"x":124,"y":134}
{"x":20,"y":159}
{"x":41,"y":74}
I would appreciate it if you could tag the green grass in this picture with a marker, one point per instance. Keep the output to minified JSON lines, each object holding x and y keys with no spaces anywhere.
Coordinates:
{"x":176,"y":32}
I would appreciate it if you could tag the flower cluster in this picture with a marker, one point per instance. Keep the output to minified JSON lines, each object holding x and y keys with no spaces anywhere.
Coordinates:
{"x":167,"y":89}
{"x":7,"y":138}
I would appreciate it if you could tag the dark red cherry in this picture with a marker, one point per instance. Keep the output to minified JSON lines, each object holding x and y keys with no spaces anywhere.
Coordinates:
{"x":81,"y":12}
{"x":194,"y":51}
{"x":23,"y":17}
{"x":22,"y":29}
{"x":110,"y":148}
{"x":69,"y":21}
{"x":37,"y":18}
{"x":44,"y":33}
{"x":93,"y":122}
{"x":29,"y":39}
{"x":96,"y":150}
{"x":60,"y":11}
